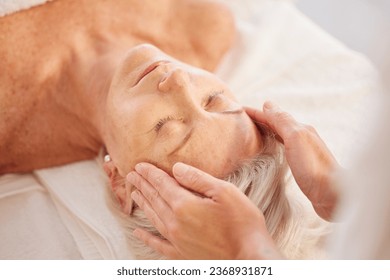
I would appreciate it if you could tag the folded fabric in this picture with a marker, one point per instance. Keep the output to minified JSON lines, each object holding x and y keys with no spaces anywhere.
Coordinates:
{"x":10,"y":6}
{"x":79,"y":193}
{"x":31,"y":227}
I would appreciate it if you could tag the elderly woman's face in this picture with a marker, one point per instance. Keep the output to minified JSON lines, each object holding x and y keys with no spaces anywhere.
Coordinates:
{"x":162,"y":111}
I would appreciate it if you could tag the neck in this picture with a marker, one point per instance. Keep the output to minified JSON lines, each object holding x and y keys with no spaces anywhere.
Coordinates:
{"x":59,"y":115}
{"x":92,"y":83}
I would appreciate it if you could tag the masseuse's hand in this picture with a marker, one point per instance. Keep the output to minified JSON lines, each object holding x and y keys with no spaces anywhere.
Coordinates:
{"x":311,"y":162}
{"x":200,"y":216}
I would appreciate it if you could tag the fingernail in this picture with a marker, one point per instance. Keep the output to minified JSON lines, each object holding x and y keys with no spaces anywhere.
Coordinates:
{"x":268,"y":105}
{"x":139,"y":167}
{"x":179,"y":169}
{"x":131,"y":177}
{"x":134,"y":195}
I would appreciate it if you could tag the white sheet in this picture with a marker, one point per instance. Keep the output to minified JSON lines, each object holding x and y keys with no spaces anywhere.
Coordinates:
{"x":279,"y":55}
{"x":31,"y":227}
{"x":10,"y":6}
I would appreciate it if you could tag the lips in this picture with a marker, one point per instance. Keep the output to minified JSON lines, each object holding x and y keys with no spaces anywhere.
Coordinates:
{"x":150,"y":69}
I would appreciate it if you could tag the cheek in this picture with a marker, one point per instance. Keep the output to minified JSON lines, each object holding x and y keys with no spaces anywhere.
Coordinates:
{"x":124,"y":145}
{"x":222,"y":149}
{"x":208,"y":153}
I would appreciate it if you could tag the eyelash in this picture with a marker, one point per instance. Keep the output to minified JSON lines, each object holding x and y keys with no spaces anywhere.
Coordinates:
{"x":161,"y":122}
{"x":212,"y":96}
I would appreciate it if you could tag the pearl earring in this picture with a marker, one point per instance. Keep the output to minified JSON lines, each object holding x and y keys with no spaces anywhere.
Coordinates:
{"x":107,"y":158}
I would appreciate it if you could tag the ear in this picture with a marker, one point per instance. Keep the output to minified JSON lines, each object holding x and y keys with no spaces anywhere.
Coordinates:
{"x":120,"y":187}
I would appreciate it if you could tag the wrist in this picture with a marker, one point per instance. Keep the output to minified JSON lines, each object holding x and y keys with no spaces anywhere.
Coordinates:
{"x":326,"y":195}
{"x":264,"y":248}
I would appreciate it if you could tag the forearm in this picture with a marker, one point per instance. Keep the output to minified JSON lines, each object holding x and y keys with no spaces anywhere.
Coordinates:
{"x":325,"y":196}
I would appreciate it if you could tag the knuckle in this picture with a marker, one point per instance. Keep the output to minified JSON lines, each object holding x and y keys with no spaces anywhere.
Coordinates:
{"x":154,"y":196}
{"x":158,"y":179}
{"x":299,"y":132}
{"x":310,"y":128}
{"x":178,"y":207}
{"x":282,"y":116}
{"x":194,"y":178}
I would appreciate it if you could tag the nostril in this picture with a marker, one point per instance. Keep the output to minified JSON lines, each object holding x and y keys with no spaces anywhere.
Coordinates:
{"x":162,"y":85}
{"x":163,"y":79}
{"x":175,"y":79}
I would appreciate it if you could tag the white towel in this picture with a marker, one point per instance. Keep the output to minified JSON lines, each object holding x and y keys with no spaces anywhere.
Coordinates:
{"x":31,"y":227}
{"x":11,"y":6}
{"x":79,"y":191}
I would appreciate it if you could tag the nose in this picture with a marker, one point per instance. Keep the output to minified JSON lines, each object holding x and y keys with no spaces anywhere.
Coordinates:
{"x":176,"y":80}
{"x":180,"y":86}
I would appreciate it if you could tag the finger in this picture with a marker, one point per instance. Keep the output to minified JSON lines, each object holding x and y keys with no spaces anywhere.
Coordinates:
{"x":256,"y":115}
{"x":155,"y":219}
{"x":261,"y":121}
{"x":164,"y":247}
{"x":164,"y":184}
{"x":149,"y":192}
{"x":197,"y":180}
{"x":280,"y":121}
{"x":153,"y":199}
{"x":128,"y":203}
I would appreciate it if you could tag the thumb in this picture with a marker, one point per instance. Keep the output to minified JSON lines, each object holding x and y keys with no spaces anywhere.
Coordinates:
{"x":280,"y":121}
{"x":197,"y":180}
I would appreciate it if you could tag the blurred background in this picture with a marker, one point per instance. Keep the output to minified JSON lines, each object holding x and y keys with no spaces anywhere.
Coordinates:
{"x":363,"y":25}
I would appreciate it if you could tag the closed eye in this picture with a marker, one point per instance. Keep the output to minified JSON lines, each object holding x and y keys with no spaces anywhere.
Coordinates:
{"x":161,"y":123}
{"x":212,"y":97}
{"x":208,"y":101}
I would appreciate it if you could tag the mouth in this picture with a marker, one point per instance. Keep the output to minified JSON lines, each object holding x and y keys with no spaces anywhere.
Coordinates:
{"x":149,"y":69}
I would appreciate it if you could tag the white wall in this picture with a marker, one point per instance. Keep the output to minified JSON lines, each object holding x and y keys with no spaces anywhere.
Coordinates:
{"x":363,"y":25}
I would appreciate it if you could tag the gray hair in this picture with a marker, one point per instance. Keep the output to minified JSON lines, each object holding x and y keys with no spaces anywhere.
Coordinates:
{"x":296,"y":231}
